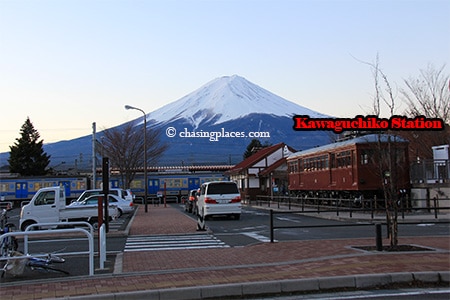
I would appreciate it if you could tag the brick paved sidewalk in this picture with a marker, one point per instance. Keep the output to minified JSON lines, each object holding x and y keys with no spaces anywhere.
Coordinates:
{"x":161,"y":220}
{"x":154,"y":270}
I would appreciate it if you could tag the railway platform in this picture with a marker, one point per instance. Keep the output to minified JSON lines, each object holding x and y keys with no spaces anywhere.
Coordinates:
{"x":258,"y":269}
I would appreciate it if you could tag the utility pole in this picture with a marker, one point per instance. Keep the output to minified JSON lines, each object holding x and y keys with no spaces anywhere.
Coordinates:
{"x":94,"y":163}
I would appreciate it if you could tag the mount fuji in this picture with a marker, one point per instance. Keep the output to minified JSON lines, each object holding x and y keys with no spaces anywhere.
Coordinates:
{"x":224,"y":99}
{"x":230,"y":105}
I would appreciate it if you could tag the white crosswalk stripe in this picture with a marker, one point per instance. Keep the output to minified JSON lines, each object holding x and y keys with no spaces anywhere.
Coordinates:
{"x":117,"y":224}
{"x":172,"y":242}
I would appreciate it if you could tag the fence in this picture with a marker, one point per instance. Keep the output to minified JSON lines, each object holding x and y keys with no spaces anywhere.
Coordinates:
{"x":350,"y":206}
{"x":430,"y":171}
{"x":377,"y":225}
{"x":156,"y":200}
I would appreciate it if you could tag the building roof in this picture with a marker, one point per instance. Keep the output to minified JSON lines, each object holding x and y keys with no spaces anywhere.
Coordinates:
{"x":258,"y":156}
{"x":272,"y":167}
{"x":370,"y":138}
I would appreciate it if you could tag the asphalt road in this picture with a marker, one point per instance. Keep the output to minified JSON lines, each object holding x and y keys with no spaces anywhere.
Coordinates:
{"x":254,"y":227}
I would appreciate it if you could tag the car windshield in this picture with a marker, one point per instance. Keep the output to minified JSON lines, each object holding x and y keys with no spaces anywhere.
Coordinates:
{"x":222,"y":188}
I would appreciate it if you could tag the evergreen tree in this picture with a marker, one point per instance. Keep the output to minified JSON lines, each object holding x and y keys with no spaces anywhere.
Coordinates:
{"x":253,"y":147}
{"x":27,"y":156}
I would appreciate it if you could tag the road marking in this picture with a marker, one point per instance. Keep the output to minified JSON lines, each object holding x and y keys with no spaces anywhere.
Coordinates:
{"x":172,"y":242}
{"x":258,"y":237}
{"x":288,"y":219}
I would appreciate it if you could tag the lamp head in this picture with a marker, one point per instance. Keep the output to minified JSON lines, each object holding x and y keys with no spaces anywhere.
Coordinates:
{"x":129,"y":107}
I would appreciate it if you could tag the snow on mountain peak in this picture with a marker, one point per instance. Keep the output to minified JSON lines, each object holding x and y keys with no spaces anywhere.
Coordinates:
{"x":227,"y":98}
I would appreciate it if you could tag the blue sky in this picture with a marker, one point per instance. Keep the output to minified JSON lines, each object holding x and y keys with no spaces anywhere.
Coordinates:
{"x":66,"y":64}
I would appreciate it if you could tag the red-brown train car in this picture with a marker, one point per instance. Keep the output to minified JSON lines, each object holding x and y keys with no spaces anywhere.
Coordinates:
{"x":350,"y":168}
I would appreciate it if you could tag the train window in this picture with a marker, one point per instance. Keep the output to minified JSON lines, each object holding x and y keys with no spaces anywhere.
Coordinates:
{"x":293,"y":166}
{"x":343,"y":159}
{"x":137,"y":184}
{"x":80,"y":185}
{"x":323,"y":162}
{"x":3,"y":187}
{"x":364,"y":158}
{"x":313,"y":163}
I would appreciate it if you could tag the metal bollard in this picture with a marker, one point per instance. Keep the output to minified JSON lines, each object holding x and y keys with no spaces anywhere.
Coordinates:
{"x":378,"y":239}
{"x":271,"y":225}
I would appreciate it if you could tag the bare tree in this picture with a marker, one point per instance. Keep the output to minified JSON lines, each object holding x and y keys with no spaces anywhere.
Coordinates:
{"x":429,"y":96}
{"x":387,"y":154}
{"x":124,"y":146}
{"x":387,"y":157}
{"x":426,"y":96}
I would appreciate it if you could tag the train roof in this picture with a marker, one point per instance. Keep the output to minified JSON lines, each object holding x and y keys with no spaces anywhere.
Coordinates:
{"x":370,"y":138}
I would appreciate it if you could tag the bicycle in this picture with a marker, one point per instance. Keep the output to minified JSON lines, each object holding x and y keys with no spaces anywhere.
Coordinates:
{"x":16,"y":266}
{"x":9,"y":243}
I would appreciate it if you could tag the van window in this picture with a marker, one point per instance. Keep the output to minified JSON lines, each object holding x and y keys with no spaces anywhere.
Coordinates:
{"x":222,"y":188}
{"x":45,"y":198}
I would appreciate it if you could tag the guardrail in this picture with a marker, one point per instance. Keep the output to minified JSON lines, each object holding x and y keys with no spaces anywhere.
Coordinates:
{"x":25,"y":240}
{"x":6,"y":205}
{"x":50,"y":232}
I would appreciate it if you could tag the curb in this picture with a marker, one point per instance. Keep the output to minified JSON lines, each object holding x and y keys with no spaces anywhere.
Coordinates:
{"x":310,"y":285}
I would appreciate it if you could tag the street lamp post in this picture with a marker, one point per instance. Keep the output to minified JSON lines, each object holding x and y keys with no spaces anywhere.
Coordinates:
{"x":145,"y":154}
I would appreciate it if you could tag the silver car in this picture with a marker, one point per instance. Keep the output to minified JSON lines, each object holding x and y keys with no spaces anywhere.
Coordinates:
{"x":123,"y":206}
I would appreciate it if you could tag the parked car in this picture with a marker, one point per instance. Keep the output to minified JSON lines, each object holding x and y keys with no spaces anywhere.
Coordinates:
{"x":121,"y":193}
{"x":128,"y":195}
{"x":191,"y":201}
{"x":123,"y":206}
{"x":219,"y":198}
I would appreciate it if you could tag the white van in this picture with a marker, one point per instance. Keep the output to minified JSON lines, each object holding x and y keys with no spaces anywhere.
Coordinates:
{"x":219,"y":198}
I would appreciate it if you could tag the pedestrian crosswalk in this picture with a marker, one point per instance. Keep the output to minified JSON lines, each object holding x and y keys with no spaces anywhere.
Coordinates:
{"x":117,"y":224}
{"x":172,"y":242}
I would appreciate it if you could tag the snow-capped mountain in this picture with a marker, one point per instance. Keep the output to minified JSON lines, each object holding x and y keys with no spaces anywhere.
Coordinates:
{"x":229,"y":104}
{"x":227,"y":98}
{"x":225,"y":104}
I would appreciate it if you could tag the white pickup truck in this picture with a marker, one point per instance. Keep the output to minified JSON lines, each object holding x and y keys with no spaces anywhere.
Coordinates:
{"x":48,"y":205}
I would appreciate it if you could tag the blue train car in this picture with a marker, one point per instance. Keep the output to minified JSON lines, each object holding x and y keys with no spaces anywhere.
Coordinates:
{"x":24,"y":188}
{"x":181,"y":184}
{"x":175,"y":184}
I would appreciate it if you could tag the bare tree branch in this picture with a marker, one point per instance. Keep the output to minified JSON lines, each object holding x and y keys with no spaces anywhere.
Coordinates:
{"x":429,"y":94}
{"x":124,"y":146}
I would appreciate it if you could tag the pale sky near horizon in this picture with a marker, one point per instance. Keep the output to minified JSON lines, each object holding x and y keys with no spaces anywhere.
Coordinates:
{"x":67,"y":64}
